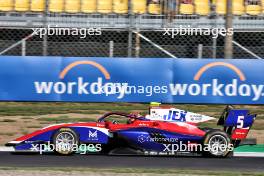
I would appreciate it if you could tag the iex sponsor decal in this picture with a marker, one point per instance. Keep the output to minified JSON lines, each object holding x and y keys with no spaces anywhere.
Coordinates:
{"x":238,"y":87}
{"x":176,"y":115}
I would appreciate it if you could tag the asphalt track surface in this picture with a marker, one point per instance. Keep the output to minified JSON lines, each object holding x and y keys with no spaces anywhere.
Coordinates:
{"x":101,"y":161}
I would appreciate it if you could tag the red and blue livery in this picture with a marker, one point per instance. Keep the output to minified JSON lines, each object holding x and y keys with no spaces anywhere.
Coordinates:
{"x":159,"y":132}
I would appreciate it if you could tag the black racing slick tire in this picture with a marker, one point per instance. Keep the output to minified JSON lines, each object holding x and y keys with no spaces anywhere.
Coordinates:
{"x":217,"y":144}
{"x":65,"y":141}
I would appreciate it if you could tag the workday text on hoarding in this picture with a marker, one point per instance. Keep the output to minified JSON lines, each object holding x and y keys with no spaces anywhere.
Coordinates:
{"x":166,"y":80}
{"x":235,"y":86}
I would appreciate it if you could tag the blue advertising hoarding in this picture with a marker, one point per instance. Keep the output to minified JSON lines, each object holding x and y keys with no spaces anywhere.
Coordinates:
{"x":164,"y":80}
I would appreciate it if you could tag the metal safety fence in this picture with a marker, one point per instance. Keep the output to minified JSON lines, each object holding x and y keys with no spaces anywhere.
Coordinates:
{"x":129,"y":43}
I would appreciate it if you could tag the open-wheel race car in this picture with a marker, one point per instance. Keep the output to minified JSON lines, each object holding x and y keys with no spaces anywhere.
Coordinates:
{"x":165,"y":130}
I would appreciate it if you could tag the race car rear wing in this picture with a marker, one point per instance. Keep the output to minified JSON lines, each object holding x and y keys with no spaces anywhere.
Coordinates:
{"x":236,"y":122}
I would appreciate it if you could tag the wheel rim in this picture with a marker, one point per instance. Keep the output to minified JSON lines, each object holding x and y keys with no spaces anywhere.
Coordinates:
{"x":65,"y":142}
{"x":218,"y":145}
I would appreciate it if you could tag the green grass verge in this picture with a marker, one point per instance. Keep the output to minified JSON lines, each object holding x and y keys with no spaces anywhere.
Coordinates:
{"x":31,"y":109}
{"x":139,"y":171}
{"x":8,"y":120}
{"x":39,"y":108}
{"x":65,"y":119}
{"x":250,"y":148}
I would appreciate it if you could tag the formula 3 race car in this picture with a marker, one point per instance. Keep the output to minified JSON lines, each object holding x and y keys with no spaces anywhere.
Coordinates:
{"x":165,"y":130}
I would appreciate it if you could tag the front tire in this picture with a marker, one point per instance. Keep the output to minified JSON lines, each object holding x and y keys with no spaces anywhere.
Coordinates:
{"x":217,"y":144}
{"x":65,"y":141}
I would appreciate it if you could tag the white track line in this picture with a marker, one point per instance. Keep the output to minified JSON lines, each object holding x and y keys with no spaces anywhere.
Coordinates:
{"x":249,"y":154}
{"x":236,"y":154}
{"x":6,"y":149}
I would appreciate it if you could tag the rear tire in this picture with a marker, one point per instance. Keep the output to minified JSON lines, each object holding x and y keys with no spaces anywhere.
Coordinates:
{"x":217,"y":144}
{"x":65,"y":141}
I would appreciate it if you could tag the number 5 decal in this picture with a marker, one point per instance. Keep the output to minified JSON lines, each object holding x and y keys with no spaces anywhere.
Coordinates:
{"x":240,"y":121}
